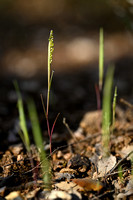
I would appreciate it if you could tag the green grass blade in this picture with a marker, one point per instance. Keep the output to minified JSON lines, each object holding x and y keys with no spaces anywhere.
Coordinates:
{"x":39,"y":141}
{"x":106,"y":119}
{"x":101,"y":58}
{"x":120,"y":174}
{"x":22,"y":118}
{"x":51,"y":78}
{"x":114,"y":108}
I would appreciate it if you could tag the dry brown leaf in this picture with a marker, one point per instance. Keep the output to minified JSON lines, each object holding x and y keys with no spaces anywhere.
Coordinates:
{"x":13,"y":195}
{"x":127,"y":150}
{"x":65,"y":186}
{"x":105,"y":165}
{"x":88,"y":184}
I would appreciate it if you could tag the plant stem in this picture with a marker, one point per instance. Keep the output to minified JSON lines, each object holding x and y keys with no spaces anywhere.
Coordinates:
{"x":101,"y":58}
{"x":106,"y":119}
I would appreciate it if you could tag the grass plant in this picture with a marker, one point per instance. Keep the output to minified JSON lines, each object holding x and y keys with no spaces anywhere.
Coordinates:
{"x":50,"y":77}
{"x":107,"y":95}
{"x":36,"y":133}
{"x":98,"y":88}
{"x":45,"y":167}
{"x":22,"y":119}
{"x":34,"y":119}
{"x":120,"y":173}
{"x":114,"y":109}
{"x":101,"y":58}
{"x":50,"y":74}
{"x":50,"y":131}
{"x":106,"y":116}
{"x":23,"y":128}
{"x":98,"y":97}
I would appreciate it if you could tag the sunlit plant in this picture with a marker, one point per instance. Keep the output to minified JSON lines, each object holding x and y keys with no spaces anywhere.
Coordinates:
{"x":114,"y":109}
{"x":106,"y":115}
{"x":36,"y":133}
{"x":22,"y":119}
{"x":50,"y":76}
{"x":101,"y":58}
{"x":120,"y":173}
{"x":45,"y":167}
{"x":50,"y":58}
{"x":23,"y":132}
{"x":98,"y":88}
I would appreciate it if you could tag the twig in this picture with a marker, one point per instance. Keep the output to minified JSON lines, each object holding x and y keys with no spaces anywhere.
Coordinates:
{"x":84,"y":140}
{"x":69,"y":130}
{"x":102,"y":195}
{"x":118,"y":164}
{"x":111,"y":174}
{"x":126,"y":103}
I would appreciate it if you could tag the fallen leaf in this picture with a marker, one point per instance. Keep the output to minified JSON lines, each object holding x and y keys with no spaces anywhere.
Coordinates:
{"x":127,"y":150}
{"x":105,"y":165}
{"x":65,"y":186}
{"x":88,"y":184}
{"x":13,"y":195}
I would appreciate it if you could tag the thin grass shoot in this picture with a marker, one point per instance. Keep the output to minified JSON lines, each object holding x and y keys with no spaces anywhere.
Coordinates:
{"x":50,"y":132}
{"x":37,"y":134}
{"x":101,"y":58}
{"x":98,"y":98}
{"x":120,"y":174}
{"x":22,"y":119}
{"x":114,"y":109}
{"x":106,"y":118}
{"x":50,"y":58}
{"x":50,"y":78}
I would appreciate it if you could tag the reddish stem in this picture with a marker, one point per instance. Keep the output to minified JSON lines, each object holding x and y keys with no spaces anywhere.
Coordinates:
{"x":98,"y":97}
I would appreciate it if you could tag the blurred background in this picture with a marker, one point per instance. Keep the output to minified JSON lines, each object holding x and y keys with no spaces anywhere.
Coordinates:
{"x":25,"y":27}
{"x":24,"y":32}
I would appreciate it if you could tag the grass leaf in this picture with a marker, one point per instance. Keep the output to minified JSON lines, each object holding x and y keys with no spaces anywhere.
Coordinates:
{"x":39,"y":140}
{"x":106,"y":119}
{"x":24,"y":135}
{"x":114,"y":108}
{"x":101,"y":58}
